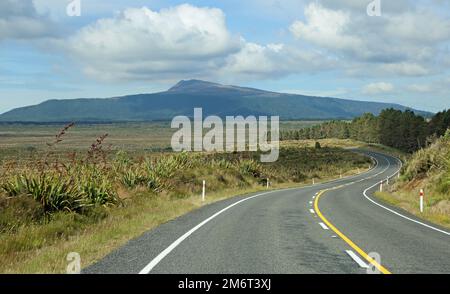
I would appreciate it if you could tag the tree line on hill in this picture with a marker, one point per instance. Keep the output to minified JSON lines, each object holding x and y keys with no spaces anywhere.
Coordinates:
{"x":403,"y":130}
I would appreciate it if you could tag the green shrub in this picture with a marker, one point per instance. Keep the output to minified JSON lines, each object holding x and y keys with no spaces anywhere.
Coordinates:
{"x":53,"y":192}
{"x":434,"y":158}
{"x":250,"y":167}
{"x":132,"y":177}
{"x":79,"y":186}
{"x":18,"y":211}
{"x":447,"y":135}
{"x":222,"y":163}
{"x":98,"y":190}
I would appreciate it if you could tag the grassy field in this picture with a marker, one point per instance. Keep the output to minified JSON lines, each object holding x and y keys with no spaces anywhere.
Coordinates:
{"x":22,"y":139}
{"x":76,"y":196}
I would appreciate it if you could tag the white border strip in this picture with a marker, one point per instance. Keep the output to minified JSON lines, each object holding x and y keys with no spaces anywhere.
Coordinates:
{"x":395,"y":212}
{"x":147,"y":269}
{"x":172,"y":246}
{"x":356,"y":258}
{"x":324,"y":226}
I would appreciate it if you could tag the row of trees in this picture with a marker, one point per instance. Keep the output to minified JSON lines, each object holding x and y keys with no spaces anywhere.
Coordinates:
{"x":403,"y":130}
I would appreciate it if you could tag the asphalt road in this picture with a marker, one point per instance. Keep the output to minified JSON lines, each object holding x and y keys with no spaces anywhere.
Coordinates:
{"x":283,"y":232}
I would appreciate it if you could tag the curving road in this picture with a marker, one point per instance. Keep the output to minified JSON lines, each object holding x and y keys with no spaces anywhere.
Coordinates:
{"x":327,"y":228}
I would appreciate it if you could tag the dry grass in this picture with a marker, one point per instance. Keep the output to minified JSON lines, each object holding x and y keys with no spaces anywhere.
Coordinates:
{"x":94,"y":240}
{"x":35,"y":240}
{"x":436,"y":209}
{"x":427,"y":169}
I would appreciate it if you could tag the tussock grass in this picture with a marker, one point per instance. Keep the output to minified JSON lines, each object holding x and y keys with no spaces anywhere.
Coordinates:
{"x":93,"y":203}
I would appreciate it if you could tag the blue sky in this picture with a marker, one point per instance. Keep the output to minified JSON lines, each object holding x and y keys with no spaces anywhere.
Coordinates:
{"x":323,"y":47}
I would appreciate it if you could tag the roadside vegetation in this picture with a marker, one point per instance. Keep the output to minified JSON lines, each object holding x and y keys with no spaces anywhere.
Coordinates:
{"x":91,"y":201}
{"x":404,"y":131}
{"x":427,"y":169}
{"x":422,"y":144}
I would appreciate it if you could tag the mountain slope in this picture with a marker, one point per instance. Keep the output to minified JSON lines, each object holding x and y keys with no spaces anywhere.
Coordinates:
{"x":215,"y":99}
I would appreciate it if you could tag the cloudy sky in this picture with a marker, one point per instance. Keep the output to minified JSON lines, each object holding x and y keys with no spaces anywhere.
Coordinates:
{"x":323,"y":47}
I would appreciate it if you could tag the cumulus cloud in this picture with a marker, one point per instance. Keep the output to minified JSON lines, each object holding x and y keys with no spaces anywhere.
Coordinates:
{"x":401,"y":42}
{"x":186,"y":41}
{"x":325,"y":27}
{"x":273,"y":60}
{"x":141,"y":43}
{"x":418,"y":27}
{"x":178,"y":42}
{"x":20,"y":20}
{"x":378,"y":88}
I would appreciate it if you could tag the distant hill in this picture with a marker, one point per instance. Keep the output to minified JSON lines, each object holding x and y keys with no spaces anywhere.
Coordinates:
{"x":215,"y":99}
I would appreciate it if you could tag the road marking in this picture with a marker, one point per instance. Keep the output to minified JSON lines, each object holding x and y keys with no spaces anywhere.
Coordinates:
{"x":345,"y":238}
{"x":312,"y":211}
{"x":357,"y":259}
{"x":401,"y":215}
{"x":172,"y":246}
{"x":324,"y":226}
{"x":148,"y":268}
{"x":397,"y":213}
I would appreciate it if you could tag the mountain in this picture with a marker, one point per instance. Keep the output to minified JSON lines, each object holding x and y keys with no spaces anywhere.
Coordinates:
{"x":215,"y":99}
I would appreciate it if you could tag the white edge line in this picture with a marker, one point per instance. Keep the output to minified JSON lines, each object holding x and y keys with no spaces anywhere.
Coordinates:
{"x":357,"y":259}
{"x":172,"y":246}
{"x":324,"y":226}
{"x":395,"y":212}
{"x":148,"y":268}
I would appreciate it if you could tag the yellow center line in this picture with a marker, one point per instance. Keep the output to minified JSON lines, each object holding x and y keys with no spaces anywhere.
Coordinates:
{"x":345,"y":238}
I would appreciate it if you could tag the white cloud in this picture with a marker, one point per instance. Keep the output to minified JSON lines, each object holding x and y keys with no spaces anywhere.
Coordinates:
{"x":142,"y":44}
{"x":325,"y":27}
{"x":406,"y":69}
{"x":179,"y":42}
{"x":273,"y":60}
{"x":418,"y":26}
{"x":20,"y":20}
{"x":378,"y":88}
{"x":402,"y":42}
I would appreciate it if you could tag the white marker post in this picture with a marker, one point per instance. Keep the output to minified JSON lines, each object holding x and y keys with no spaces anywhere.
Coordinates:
{"x":421,"y":200}
{"x":381,"y":187}
{"x":267,"y":183}
{"x":204,"y":191}
{"x":314,"y":181}
{"x":387,"y":181}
